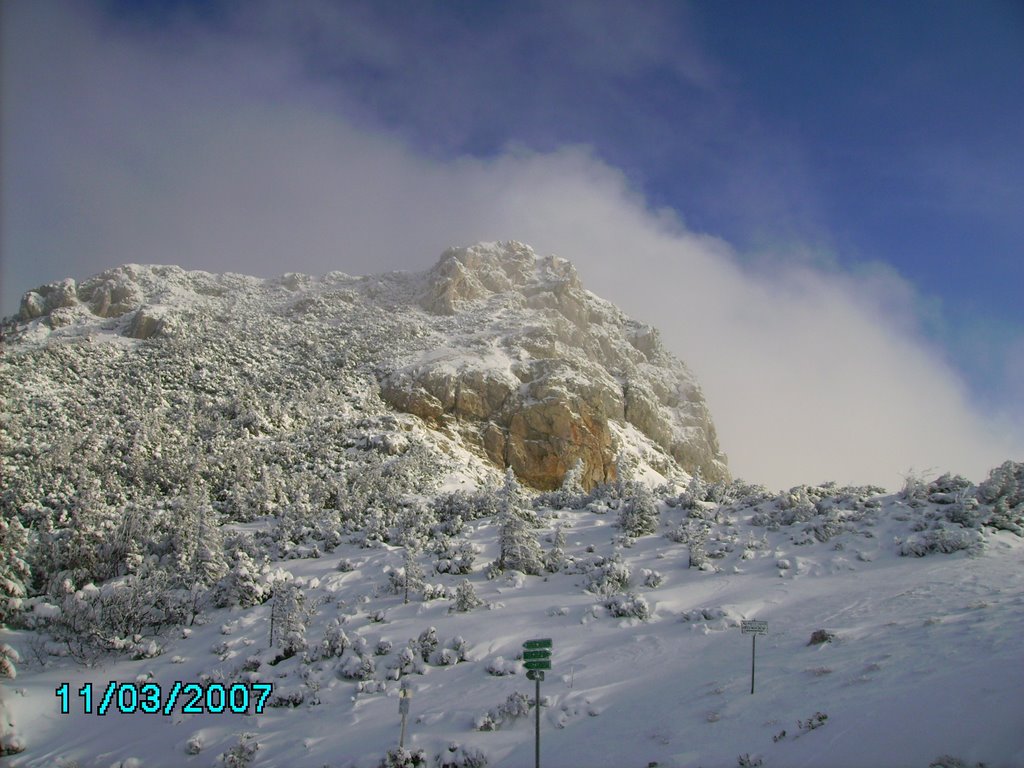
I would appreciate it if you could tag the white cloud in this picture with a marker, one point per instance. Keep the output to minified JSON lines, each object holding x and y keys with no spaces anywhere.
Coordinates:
{"x":222,"y":160}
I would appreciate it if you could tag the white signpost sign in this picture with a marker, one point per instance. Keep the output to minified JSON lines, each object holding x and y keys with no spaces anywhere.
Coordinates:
{"x":751,"y":627}
{"x":404,"y":697}
{"x":754,"y":628}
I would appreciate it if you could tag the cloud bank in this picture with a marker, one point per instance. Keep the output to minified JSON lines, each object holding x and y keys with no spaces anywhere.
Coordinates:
{"x":227,"y":157}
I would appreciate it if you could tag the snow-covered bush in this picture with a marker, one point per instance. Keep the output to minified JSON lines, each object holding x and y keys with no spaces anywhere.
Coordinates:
{"x":500,"y":666}
{"x":652,"y":579}
{"x":604,"y":576}
{"x":454,"y":557}
{"x":458,"y":756}
{"x":243,"y":753}
{"x":942,"y":539}
{"x":1004,"y":491}
{"x":357,"y":667}
{"x":241,"y":585}
{"x":427,"y":642}
{"x":403,"y":758}
{"x":516,"y":705}
{"x":816,"y":720}
{"x":629,"y":605}
{"x":194,"y":745}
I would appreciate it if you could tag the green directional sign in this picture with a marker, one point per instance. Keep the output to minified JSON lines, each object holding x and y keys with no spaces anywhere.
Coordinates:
{"x":534,"y":644}
{"x":538,"y":664}
{"x":536,"y":655}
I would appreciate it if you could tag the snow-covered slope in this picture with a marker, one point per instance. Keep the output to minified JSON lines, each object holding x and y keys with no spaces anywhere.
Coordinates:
{"x":216,"y":487}
{"x":922,"y":660}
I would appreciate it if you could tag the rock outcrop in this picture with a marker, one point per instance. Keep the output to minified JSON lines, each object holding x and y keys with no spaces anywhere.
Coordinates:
{"x":545,"y":369}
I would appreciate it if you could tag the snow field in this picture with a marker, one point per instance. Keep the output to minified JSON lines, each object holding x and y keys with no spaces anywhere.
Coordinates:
{"x":925,"y":661}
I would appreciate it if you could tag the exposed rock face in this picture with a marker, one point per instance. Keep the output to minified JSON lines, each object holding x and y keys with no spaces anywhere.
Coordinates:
{"x":545,"y":369}
{"x":502,"y":351}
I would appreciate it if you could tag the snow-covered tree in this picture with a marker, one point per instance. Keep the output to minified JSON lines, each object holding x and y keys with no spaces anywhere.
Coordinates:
{"x":15,"y":574}
{"x":554,"y":558}
{"x":413,"y":577}
{"x":335,"y":640}
{"x":242,"y":585}
{"x":519,"y":549}
{"x":287,"y":616}
{"x":465,"y":598}
{"x":638,"y":513}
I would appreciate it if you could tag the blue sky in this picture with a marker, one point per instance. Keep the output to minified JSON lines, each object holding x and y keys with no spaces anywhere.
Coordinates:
{"x":869,"y":153}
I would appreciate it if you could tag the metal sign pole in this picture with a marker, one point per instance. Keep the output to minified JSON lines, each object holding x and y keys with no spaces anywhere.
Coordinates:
{"x":754,"y":628}
{"x":753,"y":656}
{"x":537,"y":680}
{"x":537,"y":658}
{"x":403,"y":708}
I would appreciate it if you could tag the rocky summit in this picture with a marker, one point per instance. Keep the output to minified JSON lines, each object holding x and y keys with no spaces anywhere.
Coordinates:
{"x":494,"y":352}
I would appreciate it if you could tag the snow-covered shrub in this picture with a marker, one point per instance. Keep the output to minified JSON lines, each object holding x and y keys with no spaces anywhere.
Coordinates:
{"x":629,"y":605}
{"x":458,"y":756}
{"x":948,"y":761}
{"x":408,"y":662}
{"x":403,"y":758}
{"x":942,"y":539}
{"x":816,"y":720}
{"x":460,"y":646}
{"x":346,"y":565}
{"x":10,"y":742}
{"x":383,"y":648}
{"x":516,"y":705}
{"x":435,"y":592}
{"x":1004,"y":491}
{"x":746,"y":760}
{"x":241,"y":585}
{"x":652,"y":579}
{"x":456,"y":558}
{"x":446,"y":657}
{"x":194,"y":745}
{"x":427,"y":642}
{"x":820,"y":636}
{"x":287,"y":697}
{"x":9,"y":657}
{"x":242,"y":754}
{"x":358,"y":667}
{"x":825,"y":527}
{"x":116,"y":616}
{"x":604,"y":576}
{"x":500,"y":666}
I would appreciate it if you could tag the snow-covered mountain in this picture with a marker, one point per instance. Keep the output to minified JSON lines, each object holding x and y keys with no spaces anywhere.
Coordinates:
{"x":240,"y":517}
{"x":494,"y":349}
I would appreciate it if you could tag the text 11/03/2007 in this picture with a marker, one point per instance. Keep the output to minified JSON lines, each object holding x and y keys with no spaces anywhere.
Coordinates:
{"x":148,"y":698}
